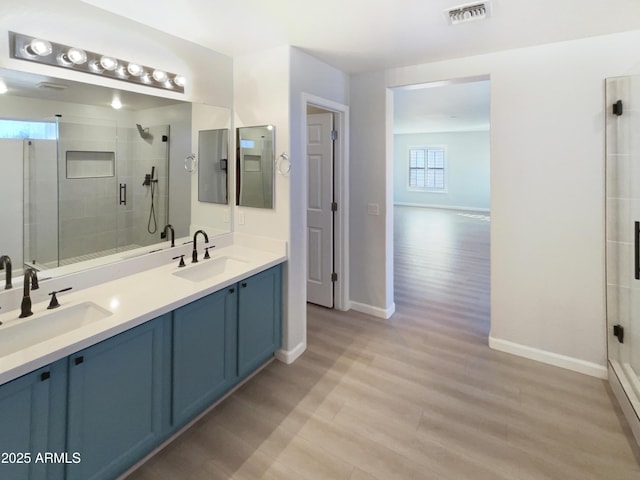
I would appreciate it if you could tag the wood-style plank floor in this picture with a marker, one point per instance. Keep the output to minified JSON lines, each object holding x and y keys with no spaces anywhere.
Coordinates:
{"x":419,"y":396}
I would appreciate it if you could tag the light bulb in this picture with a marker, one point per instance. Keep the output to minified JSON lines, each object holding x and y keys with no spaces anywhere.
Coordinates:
{"x":135,"y":70}
{"x":77,"y":56}
{"x":180,"y":80}
{"x":108,"y":63}
{"x":159,"y":76}
{"x":39,"y":47}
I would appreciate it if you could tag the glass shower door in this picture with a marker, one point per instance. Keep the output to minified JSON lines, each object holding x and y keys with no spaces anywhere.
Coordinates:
{"x":623,"y":233}
{"x":87,"y":189}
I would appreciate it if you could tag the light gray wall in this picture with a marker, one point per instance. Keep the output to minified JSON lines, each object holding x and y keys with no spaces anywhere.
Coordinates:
{"x":547,"y":187}
{"x":311,"y":77}
{"x":466,"y":170}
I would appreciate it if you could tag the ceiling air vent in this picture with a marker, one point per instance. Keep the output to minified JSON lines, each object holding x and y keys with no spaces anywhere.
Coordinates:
{"x":469,"y":12}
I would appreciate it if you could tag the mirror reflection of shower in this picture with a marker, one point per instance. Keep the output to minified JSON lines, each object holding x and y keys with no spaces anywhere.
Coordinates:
{"x":101,"y":207}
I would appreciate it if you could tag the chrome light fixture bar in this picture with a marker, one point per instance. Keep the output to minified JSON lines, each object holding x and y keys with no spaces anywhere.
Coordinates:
{"x":43,"y":51}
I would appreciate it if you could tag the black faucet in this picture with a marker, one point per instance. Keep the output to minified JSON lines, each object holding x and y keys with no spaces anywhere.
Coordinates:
{"x":5,"y":263}
{"x":30,"y":279}
{"x":163,"y":235}
{"x":194,"y":254}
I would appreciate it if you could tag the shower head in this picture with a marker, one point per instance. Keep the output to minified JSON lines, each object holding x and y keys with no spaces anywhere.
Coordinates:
{"x":144,"y":132}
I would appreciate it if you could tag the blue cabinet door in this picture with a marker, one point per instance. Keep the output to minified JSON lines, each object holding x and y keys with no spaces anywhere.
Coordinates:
{"x":204,"y":353}
{"x":32,"y":424}
{"x":118,"y":391}
{"x":259,"y":319}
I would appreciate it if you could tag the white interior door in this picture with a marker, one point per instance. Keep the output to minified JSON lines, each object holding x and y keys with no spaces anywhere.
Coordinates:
{"x":319,"y":212}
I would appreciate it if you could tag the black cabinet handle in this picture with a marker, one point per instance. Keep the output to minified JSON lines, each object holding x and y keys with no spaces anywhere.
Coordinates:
{"x":244,"y":284}
{"x":231,"y":290}
{"x":636,"y":241}
{"x":45,"y":376}
{"x":79,"y":360}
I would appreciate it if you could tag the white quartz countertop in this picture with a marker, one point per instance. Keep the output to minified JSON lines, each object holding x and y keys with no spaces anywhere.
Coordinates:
{"x":126,"y":303}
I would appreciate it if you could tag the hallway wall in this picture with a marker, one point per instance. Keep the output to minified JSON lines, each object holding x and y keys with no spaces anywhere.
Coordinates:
{"x":547,"y":190}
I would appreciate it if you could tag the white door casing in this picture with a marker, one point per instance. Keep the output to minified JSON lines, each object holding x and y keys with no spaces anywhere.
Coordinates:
{"x":319,"y":212}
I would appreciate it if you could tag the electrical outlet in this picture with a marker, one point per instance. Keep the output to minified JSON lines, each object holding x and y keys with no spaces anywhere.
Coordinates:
{"x":373,"y":209}
{"x":240,"y":218}
{"x":225,"y":216}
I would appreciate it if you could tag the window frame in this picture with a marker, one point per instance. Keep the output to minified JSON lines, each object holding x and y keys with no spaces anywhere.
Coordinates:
{"x":445,"y":169}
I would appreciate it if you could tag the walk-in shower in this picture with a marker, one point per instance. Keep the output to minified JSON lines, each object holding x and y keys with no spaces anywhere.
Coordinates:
{"x":623,"y":243}
{"x":84,"y":190}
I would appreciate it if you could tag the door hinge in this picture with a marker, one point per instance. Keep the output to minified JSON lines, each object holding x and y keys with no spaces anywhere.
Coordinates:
{"x":334,"y":277}
{"x":617,"y":108}
{"x":334,"y":206}
{"x":618,"y":331}
{"x":334,"y":135}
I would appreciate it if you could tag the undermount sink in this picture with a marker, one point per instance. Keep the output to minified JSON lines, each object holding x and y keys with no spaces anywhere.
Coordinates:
{"x":206,"y":269}
{"x":22,"y":333}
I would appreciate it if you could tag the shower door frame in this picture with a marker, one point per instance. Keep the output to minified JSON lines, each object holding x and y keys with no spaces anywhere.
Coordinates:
{"x":622,"y":213}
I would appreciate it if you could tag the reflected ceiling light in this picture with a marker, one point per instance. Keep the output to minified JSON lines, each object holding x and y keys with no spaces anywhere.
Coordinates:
{"x":42,"y":51}
{"x":159,"y":76}
{"x":3,"y":88}
{"x":116,"y":103}
{"x":39,"y":47}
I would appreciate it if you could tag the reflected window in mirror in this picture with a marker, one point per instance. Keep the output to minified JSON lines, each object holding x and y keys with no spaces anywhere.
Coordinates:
{"x":255,"y":166}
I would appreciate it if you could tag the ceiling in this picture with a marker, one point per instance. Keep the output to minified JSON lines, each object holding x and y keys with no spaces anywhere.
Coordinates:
{"x":368,"y":35}
{"x":442,"y":107}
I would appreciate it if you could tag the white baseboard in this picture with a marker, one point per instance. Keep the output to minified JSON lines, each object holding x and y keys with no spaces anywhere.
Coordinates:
{"x":374,"y":311}
{"x":550,"y":358}
{"x":290,"y":356}
{"x":444,"y":207}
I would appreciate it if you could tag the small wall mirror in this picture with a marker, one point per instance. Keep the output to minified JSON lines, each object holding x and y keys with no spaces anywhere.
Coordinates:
{"x":213,"y":154}
{"x":255,"y":166}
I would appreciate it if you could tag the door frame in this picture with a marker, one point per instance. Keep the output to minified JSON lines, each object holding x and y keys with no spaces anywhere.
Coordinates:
{"x":340,"y":194}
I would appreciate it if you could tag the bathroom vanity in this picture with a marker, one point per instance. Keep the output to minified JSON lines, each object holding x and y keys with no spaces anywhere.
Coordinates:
{"x":167,"y":343}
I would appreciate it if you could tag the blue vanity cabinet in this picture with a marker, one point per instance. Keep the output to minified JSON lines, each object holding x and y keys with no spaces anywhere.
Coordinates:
{"x":204,"y":353}
{"x":118,"y":408}
{"x":259,"y":319}
{"x":32,"y":423}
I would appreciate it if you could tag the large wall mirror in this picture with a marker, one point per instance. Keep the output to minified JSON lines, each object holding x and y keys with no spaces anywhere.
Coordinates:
{"x":255,"y":166}
{"x":84,"y":183}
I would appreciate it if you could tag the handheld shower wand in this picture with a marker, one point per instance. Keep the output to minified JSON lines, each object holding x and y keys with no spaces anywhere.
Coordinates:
{"x":152,"y":225}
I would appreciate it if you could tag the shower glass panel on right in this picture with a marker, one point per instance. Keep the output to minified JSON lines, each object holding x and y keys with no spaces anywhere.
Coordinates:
{"x":623,"y":240}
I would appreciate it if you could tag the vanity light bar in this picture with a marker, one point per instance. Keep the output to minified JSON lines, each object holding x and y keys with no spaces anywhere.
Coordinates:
{"x":43,"y":51}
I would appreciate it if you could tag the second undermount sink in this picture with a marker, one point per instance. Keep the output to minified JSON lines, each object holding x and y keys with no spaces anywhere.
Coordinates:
{"x":206,"y":269}
{"x":23,"y":333}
